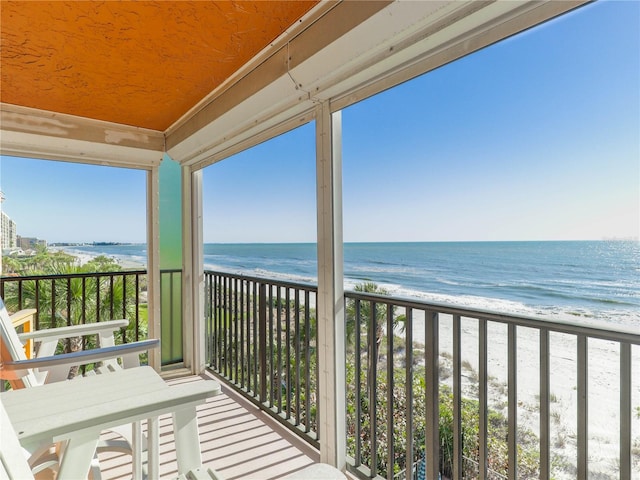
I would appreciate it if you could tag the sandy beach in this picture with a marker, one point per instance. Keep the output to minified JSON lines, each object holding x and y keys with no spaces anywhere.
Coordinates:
{"x":82,"y":258}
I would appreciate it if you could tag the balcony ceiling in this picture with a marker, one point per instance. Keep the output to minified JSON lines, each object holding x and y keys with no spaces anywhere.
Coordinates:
{"x":123,"y":83}
{"x":142,"y":64}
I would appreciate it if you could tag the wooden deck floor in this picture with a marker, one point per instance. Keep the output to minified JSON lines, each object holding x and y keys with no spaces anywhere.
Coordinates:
{"x":236,"y":439}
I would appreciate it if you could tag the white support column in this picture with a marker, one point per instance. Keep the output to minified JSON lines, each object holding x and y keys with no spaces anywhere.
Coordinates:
{"x":192,"y":271}
{"x":330,"y":301}
{"x":193,"y":290}
{"x":187,"y":271}
{"x":153,"y":262}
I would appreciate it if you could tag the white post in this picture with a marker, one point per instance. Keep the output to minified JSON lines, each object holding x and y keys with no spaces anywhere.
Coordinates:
{"x":330,"y":301}
{"x":193,"y":270}
{"x":187,"y":272}
{"x":153,"y":263}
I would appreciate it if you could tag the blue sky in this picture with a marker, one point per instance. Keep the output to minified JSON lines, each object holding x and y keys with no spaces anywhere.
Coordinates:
{"x":535,"y":138}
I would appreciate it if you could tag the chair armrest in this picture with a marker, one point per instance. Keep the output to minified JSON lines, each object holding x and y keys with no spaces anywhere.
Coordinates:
{"x":23,"y":316}
{"x":81,"y":357}
{"x":74,"y":330}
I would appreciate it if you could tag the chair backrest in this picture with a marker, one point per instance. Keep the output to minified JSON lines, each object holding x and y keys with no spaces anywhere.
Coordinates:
{"x":13,"y":463}
{"x":11,"y":349}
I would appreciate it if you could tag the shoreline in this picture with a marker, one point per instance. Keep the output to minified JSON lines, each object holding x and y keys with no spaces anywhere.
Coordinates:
{"x":83,"y":257}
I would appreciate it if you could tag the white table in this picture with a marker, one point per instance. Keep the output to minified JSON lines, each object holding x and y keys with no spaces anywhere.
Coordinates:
{"x":77,"y":411}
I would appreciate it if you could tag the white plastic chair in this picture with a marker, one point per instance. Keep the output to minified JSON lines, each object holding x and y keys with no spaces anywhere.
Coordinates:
{"x":13,"y":463}
{"x":47,"y":367}
{"x":90,"y":405}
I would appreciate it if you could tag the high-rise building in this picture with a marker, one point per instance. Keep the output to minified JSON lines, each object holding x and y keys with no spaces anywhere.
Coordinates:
{"x":9,"y":232}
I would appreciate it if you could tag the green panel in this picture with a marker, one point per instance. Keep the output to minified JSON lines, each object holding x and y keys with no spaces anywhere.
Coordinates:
{"x":170,"y":228}
{"x":170,"y":214}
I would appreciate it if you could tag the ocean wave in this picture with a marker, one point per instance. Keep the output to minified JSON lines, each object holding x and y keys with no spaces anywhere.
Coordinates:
{"x":528,"y":282}
{"x":262,"y":273}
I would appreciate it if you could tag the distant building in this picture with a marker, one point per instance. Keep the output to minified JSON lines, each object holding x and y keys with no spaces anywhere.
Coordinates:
{"x":29,"y":243}
{"x":9,"y":232}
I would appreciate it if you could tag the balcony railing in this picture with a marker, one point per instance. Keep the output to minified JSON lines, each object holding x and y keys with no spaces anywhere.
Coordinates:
{"x":79,"y":298}
{"x":261,"y":337}
{"x":430,"y":387}
{"x":465,"y":393}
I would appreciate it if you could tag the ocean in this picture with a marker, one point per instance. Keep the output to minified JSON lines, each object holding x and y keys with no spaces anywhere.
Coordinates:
{"x":590,"y":281}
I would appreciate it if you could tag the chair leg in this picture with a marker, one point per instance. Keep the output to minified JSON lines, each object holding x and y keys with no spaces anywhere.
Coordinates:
{"x":78,"y":455}
{"x":153,"y":447}
{"x":185,"y":429}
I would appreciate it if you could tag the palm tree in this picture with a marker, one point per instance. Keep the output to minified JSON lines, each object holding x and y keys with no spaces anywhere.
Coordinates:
{"x":373,"y":315}
{"x":376,"y":320}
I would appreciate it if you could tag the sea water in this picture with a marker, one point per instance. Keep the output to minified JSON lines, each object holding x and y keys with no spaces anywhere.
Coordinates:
{"x":569,"y":280}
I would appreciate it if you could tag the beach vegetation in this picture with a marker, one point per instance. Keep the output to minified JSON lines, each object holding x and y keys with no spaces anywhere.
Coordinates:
{"x":44,"y":262}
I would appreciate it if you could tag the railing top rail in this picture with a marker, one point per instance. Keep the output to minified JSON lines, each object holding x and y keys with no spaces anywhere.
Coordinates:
{"x":599,"y":330}
{"x":283,"y":283}
{"x":72,"y":275}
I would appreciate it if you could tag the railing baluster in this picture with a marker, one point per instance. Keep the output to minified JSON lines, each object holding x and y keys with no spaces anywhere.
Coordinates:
{"x":83,"y":317}
{"x":512,"y":440}
{"x":625,"y":410}
{"x":98,"y":297}
{"x":358,"y":376}
{"x":54,"y":323}
{"x":68,"y":299}
{"x":432,"y":434}
{"x":111,"y":296}
{"x":371,"y":387}
{"x":482,"y":397}
{"x":582,"y":407}
{"x":20,"y":302}
{"x":262,"y":319}
{"x":390,"y":384}
{"x":124,"y":296}
{"x":457,"y":399}
{"x":408,"y":345}
{"x":256,"y":351}
{"x":124,"y":307}
{"x":307,"y":362}
{"x":37,"y":304}
{"x":545,"y":397}
{"x":137,"y":304}
{"x":316,"y":387}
